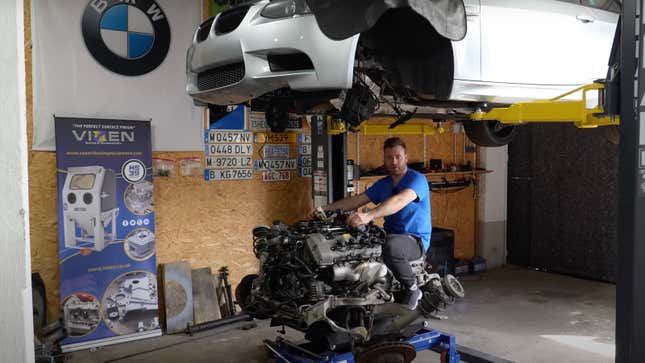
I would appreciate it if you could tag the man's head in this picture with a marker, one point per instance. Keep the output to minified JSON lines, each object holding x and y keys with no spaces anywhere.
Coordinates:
{"x":395,"y":156}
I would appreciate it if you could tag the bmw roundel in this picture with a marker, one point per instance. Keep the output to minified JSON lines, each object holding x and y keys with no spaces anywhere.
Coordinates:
{"x":129,"y":37}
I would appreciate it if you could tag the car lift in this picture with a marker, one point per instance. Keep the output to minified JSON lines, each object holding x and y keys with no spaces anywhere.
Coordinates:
{"x":285,"y":351}
{"x":557,"y":109}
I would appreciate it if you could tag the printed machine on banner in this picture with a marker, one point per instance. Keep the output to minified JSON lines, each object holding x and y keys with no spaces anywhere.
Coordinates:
{"x":89,"y":206}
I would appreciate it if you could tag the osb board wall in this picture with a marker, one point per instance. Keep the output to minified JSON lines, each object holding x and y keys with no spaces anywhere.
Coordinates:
{"x":454,"y":210}
{"x":206,"y":223}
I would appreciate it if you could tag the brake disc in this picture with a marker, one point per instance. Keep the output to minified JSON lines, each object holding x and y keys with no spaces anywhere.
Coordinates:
{"x":388,"y":352}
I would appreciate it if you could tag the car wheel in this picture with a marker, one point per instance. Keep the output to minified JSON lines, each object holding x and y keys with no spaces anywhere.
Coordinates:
{"x":489,"y":133}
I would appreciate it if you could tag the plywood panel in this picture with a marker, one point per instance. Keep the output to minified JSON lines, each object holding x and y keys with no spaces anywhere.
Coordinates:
{"x":205,"y":303}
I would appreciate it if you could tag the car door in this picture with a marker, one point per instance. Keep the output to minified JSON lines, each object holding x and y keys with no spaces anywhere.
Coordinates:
{"x":545,"y":42}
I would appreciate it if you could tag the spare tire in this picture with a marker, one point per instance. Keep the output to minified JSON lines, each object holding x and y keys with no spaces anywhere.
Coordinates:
{"x":489,"y":133}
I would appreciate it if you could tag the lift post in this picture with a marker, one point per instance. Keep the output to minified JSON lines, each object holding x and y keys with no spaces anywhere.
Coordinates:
{"x":630,"y":284}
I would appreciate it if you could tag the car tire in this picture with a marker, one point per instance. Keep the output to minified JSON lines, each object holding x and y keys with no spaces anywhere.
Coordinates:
{"x":489,"y":133}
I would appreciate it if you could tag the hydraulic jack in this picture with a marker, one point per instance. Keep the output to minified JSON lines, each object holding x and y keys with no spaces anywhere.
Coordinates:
{"x":285,"y":351}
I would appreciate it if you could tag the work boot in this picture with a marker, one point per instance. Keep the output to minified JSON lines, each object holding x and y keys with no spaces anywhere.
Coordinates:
{"x":411,"y":297}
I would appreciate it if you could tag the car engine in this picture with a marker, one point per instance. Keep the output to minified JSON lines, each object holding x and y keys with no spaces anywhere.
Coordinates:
{"x":329,"y":281}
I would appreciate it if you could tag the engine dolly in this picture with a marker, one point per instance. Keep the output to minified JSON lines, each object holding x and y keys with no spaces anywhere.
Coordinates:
{"x":285,"y":351}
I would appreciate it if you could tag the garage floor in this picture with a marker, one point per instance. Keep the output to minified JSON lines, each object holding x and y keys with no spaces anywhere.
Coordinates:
{"x":510,"y":312}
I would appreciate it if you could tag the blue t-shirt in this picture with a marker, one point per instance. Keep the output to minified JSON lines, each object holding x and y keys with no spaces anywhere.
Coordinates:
{"x":414,"y":218}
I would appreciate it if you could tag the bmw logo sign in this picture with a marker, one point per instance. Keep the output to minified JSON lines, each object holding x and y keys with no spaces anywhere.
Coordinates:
{"x":129,"y":37}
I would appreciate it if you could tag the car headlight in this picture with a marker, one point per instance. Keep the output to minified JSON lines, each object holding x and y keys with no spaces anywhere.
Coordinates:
{"x":285,"y":8}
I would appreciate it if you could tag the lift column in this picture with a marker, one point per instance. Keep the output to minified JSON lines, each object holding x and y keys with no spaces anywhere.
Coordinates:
{"x":630,"y":288}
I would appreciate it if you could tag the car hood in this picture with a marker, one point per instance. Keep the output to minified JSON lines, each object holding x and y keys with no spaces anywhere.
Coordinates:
{"x":341,"y":19}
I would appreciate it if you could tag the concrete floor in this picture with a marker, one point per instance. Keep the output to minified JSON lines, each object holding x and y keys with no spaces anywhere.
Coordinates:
{"x":511,"y":312}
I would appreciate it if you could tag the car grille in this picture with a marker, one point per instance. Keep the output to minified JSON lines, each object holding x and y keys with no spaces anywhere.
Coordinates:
{"x":204,"y":29}
{"x":220,"y":76}
{"x":230,"y":19}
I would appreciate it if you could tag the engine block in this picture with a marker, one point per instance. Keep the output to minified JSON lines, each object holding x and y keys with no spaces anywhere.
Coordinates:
{"x":325,"y":251}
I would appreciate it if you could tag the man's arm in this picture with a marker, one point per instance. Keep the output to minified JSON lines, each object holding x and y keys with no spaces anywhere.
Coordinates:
{"x":390,"y":206}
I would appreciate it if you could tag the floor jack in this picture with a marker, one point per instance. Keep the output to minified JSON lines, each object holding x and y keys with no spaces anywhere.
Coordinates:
{"x":285,"y":351}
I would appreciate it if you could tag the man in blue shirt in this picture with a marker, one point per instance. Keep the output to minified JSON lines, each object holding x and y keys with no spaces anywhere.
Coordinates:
{"x":403,"y":199}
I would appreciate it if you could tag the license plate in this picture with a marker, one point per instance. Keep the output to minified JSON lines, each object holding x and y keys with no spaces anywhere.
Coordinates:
{"x":305,"y":171}
{"x":276,"y":151}
{"x":305,"y":161}
{"x":258,"y":122}
{"x":288,"y":164}
{"x":228,"y":174}
{"x":281,"y":175}
{"x":229,"y":149}
{"x":222,"y":162}
{"x":305,"y":149}
{"x":213,"y":136}
{"x":275,"y":137}
{"x":305,"y":138}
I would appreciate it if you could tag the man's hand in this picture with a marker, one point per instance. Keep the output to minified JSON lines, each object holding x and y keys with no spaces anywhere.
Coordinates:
{"x":359,"y":218}
{"x":317,"y":213}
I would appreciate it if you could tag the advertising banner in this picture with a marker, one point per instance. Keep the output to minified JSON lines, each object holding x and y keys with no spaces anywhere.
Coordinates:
{"x":106,"y":231}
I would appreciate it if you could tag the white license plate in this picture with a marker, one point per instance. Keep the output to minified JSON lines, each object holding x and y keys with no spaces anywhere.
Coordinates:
{"x":280,"y":175}
{"x":288,"y":164}
{"x":229,"y":149}
{"x":213,"y":136}
{"x":258,"y":122}
{"x":305,"y":149}
{"x":305,"y":161}
{"x":222,"y":162}
{"x":276,"y":151}
{"x":228,"y":174}
{"x":305,"y":139}
{"x":305,"y":171}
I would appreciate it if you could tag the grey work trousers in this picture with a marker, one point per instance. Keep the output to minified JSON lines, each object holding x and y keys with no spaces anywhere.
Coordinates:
{"x":398,"y":250}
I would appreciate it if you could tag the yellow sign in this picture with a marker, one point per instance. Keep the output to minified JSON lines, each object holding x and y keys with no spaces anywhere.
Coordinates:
{"x":275,"y":137}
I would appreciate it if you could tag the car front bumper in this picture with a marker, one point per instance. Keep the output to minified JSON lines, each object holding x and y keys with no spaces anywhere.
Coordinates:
{"x":238,"y":65}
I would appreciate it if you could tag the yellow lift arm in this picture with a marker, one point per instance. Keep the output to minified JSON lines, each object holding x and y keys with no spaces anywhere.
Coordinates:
{"x":557,"y":109}
{"x":337,"y":126}
{"x":554,"y":110}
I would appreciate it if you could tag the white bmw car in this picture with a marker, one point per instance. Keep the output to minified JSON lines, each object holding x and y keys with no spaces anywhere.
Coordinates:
{"x":289,"y":55}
